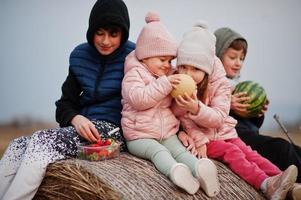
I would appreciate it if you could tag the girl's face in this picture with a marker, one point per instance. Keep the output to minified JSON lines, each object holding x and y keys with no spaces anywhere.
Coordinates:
{"x":159,"y":65}
{"x":196,"y":74}
{"x":106,"y":42}
{"x":232,"y":60}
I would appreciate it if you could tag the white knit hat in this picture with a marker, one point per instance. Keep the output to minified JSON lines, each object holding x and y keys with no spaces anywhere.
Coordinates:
{"x":154,"y":39}
{"x":197,"y":48}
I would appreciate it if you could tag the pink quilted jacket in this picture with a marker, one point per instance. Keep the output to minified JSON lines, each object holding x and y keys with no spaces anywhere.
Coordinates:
{"x":212,"y":122}
{"x":146,"y":103}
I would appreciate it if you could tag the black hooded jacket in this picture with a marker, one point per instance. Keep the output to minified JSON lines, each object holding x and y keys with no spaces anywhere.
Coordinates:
{"x":90,"y":89}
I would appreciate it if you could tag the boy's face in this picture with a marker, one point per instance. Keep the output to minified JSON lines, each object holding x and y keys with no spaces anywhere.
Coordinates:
{"x":232,"y":60}
{"x":106,"y":42}
{"x":196,"y":74}
{"x":159,"y":65}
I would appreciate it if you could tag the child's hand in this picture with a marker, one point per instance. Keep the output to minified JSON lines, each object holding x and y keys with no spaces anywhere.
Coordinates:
{"x":265,"y":108}
{"x":187,"y":141}
{"x":202,"y":151}
{"x":174,"y":80}
{"x":188,"y":103}
{"x":237,"y":102}
{"x":85,"y":128}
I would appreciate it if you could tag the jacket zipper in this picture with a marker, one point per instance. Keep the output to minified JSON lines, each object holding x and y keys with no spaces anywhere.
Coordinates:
{"x":215,"y":134}
{"x":99,"y":77}
{"x":161,"y":121}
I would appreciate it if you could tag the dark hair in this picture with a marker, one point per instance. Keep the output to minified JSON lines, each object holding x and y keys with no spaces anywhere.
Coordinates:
{"x":239,"y":44}
{"x":202,"y":89}
{"x":111,"y":28}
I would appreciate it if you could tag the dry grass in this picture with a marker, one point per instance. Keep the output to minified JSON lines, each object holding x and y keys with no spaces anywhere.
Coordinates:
{"x":128,"y":177}
{"x":89,"y":186}
{"x":61,"y":177}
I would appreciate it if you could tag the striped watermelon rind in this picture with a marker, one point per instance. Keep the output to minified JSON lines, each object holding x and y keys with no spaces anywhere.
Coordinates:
{"x":257,"y":94}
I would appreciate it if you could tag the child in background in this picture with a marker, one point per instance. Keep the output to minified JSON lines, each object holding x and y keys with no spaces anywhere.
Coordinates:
{"x":90,"y":104}
{"x":232,"y":48}
{"x":204,"y":117}
{"x":148,"y":124}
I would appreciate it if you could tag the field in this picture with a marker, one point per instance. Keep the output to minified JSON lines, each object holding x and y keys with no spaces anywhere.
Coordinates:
{"x":9,"y":132}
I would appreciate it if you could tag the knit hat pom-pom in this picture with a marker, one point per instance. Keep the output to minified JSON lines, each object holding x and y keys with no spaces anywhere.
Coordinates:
{"x":152,"y":17}
{"x":201,"y":24}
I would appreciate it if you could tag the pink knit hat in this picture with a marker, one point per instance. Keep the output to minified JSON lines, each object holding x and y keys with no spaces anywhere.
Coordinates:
{"x":155,"y":39}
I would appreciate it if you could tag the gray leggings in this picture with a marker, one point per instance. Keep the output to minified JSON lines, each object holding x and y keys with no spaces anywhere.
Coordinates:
{"x":24,"y":162}
{"x":163,"y":154}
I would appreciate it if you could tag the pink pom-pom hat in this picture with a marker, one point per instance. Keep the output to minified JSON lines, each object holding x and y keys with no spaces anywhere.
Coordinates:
{"x":154,"y":39}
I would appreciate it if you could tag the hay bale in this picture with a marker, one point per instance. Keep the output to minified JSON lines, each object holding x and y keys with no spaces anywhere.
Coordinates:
{"x":128,"y":178}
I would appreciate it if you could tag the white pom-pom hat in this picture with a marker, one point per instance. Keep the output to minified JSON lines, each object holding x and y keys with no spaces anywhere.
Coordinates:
{"x":154,"y":39}
{"x":197,"y":48}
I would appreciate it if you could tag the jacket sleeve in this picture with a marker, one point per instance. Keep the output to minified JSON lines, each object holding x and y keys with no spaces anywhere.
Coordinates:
{"x":214,"y":115}
{"x":68,"y":105}
{"x":216,"y":110}
{"x":142,"y":96}
{"x":257,"y":121}
{"x":191,"y":128}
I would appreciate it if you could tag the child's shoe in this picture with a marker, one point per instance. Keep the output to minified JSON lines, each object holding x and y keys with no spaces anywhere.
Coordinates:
{"x":279,"y":185}
{"x":181,"y":176}
{"x":294,"y":192}
{"x":206,"y":173}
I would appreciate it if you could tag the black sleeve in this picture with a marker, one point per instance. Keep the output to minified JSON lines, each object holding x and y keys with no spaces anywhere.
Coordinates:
{"x":69,"y":104}
{"x":257,"y":121}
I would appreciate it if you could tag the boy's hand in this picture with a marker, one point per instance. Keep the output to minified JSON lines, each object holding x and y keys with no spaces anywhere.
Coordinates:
{"x":238,"y":102}
{"x":188,"y":103}
{"x":85,"y":128}
{"x":265,"y":108}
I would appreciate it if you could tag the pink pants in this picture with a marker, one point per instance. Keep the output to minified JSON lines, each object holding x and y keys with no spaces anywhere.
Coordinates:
{"x":245,"y":162}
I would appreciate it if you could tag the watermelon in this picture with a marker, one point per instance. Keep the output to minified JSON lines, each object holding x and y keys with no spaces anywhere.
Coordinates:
{"x":257,"y":94}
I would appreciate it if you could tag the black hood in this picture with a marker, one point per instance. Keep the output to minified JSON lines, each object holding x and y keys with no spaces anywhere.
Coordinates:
{"x":108,"y":12}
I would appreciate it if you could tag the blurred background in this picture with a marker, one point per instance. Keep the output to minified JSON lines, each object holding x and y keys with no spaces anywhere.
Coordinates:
{"x":37,"y":37}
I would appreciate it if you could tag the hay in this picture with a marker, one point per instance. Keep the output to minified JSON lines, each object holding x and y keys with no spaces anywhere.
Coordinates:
{"x":68,"y":180}
{"x":128,"y":178}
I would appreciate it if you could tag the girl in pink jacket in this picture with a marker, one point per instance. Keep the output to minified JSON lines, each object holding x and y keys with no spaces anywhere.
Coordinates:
{"x":148,"y":124}
{"x":204,"y":117}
